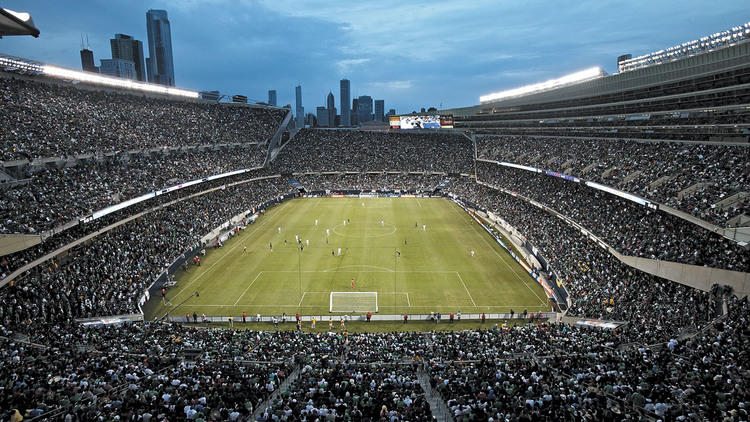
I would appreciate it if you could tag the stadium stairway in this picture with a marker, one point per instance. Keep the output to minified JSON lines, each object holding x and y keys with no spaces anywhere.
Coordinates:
{"x":260,"y":410}
{"x":439,"y":409}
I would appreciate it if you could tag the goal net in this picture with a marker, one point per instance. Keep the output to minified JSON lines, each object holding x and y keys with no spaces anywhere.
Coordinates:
{"x":354,"y":302}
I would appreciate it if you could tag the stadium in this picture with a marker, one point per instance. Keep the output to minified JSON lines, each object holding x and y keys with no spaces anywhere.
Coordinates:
{"x":575,"y":249}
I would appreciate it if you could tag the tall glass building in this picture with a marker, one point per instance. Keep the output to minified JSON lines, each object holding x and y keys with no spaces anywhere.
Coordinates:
{"x":125,"y":47}
{"x":344,"y":97}
{"x":272,"y":97}
{"x":159,"y":65}
{"x":364,"y":108}
{"x":300,"y":110}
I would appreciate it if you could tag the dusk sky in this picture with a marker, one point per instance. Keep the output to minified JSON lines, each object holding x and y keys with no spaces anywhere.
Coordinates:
{"x":412,"y":54}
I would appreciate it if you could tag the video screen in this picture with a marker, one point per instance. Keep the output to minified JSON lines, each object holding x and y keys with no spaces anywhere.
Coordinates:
{"x":420,"y":122}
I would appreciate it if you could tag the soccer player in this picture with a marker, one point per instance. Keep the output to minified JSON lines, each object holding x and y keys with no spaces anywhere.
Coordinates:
{"x":244,"y":249}
{"x":270,"y":245}
{"x":279,"y":229}
{"x":382,"y":223}
{"x":316,"y":221}
{"x":339,"y":251}
{"x":328,"y":232}
{"x":424,"y":227}
{"x":307,"y":242}
{"x":472,"y":252}
{"x":330,"y":324}
{"x":352,"y":283}
{"x":312,"y":324}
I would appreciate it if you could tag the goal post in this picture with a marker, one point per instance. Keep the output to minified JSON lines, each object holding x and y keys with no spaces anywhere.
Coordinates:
{"x":353,"y":302}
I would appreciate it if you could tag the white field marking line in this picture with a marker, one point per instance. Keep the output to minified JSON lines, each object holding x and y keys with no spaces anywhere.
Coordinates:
{"x":306,"y":292}
{"x":408,"y":302}
{"x":388,"y":270}
{"x":481,"y":235}
{"x":222,"y":257}
{"x":419,"y":203}
{"x":543,"y":308}
{"x":465,"y":288}
{"x":246,"y":288}
{"x":360,"y":271}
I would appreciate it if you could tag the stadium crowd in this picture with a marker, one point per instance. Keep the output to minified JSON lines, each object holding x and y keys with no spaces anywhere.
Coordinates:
{"x":150,"y":371}
{"x":41,"y":119}
{"x":60,"y":238}
{"x":630,"y":228}
{"x":108,"y":275}
{"x":52,"y":196}
{"x":675,"y":358}
{"x":659,"y":171}
{"x":352,"y":150}
{"x":599,"y":285}
{"x":373,"y":182}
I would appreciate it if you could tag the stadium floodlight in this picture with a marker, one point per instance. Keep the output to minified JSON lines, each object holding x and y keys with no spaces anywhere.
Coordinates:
{"x":16,"y":23}
{"x":61,"y":72}
{"x":726,"y":38}
{"x":573,"y":78}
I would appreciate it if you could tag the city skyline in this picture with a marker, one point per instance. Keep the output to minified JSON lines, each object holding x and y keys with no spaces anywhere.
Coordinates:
{"x":451,"y":55}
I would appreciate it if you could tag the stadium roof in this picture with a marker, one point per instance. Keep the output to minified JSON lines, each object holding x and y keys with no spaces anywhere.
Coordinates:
{"x":16,"y":23}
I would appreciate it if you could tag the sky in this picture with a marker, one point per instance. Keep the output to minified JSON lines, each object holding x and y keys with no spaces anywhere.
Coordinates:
{"x":412,"y":54}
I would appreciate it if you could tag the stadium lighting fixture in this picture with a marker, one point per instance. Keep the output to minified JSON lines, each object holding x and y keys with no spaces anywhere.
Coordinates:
{"x":61,"y":72}
{"x":720,"y":39}
{"x":573,"y":78}
{"x":16,"y":23}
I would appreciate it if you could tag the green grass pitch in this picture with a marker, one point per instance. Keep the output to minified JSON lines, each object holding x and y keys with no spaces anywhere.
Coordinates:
{"x":434,"y":272}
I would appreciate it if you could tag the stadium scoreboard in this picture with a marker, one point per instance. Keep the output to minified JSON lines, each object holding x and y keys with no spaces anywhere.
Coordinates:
{"x":421,"y":121}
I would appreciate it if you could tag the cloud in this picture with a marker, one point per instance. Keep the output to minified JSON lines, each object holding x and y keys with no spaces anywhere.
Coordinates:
{"x":345,"y":66}
{"x":390,"y":85}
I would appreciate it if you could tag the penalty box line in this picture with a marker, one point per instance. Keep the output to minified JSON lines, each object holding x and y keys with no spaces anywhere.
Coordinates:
{"x":408,"y":300}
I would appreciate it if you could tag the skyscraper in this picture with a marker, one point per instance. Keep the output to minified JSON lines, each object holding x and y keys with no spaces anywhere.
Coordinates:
{"x":331,"y":109}
{"x":344,"y":97}
{"x":321,"y":114}
{"x":87,"y":61}
{"x":379,"y":110}
{"x":300,"y":111}
{"x":364,"y":108}
{"x":159,"y":64}
{"x":125,"y":47}
{"x":118,"y":67}
{"x":272,"y":97}
{"x":355,"y":115}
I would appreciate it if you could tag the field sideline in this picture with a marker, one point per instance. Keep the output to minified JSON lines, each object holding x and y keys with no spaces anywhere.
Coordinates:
{"x":414,"y":252}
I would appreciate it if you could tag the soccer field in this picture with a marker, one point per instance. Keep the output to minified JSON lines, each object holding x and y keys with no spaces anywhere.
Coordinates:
{"x":415,"y":253}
